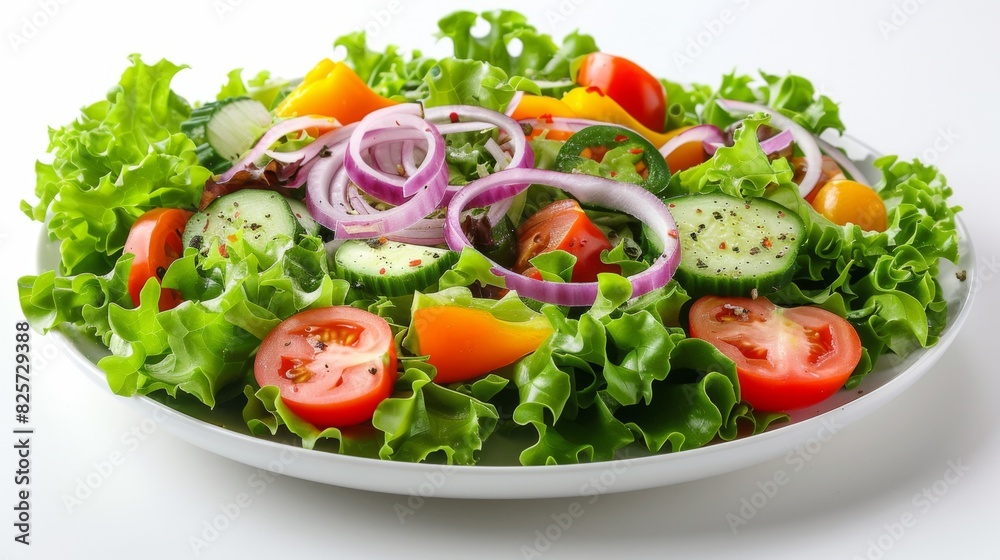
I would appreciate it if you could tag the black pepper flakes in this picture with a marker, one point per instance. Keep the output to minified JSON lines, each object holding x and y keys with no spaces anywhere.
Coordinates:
{"x":701,"y":264}
{"x":962,"y":275}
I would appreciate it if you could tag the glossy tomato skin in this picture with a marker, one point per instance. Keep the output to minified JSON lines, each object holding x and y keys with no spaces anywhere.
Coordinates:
{"x":565,"y":226}
{"x":786,"y":358}
{"x":332,"y":365}
{"x":155,"y":242}
{"x":629,"y":84}
{"x":844,"y":201}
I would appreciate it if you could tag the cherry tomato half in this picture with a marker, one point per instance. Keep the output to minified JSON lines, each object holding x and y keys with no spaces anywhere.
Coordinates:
{"x":635,"y":89}
{"x":786,"y":358}
{"x":846,"y":201}
{"x":155,"y":240}
{"x":563,"y":225}
{"x":332,"y":365}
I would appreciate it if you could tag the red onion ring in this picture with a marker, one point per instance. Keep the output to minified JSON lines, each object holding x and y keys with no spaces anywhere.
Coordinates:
{"x":704,"y":133}
{"x":273,"y":135}
{"x":608,"y":193}
{"x":843,"y":161}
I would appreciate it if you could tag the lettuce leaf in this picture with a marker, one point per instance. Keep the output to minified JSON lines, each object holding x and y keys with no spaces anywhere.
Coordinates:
{"x":618,"y":375}
{"x":262,"y":87}
{"x":742,"y":170}
{"x":540,"y":58}
{"x":792,"y":95}
{"x":123,"y":156}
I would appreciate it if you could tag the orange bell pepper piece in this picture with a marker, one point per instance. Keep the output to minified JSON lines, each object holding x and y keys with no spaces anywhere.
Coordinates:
{"x":464,"y":343}
{"x":332,"y":89}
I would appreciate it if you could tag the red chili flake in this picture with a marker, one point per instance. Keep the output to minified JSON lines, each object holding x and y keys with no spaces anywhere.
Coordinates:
{"x":614,"y":174}
{"x":621,"y":138}
{"x":766,"y":242}
{"x":747,"y":206}
{"x":672,"y":205}
{"x":397,"y":123}
{"x":635,"y":151}
{"x":593,"y":89}
{"x":672,"y":233}
{"x":453,"y":116}
{"x":781,"y":214}
{"x":231,"y":237}
{"x":381,"y":271}
{"x":697,"y":210}
{"x":415,"y":262}
{"x":223,"y":251}
{"x":546,"y":117}
{"x":383,"y":240}
{"x":722,"y":246}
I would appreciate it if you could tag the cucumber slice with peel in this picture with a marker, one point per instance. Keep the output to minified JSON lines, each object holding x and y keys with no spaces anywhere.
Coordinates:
{"x":735,"y":247}
{"x":390,"y":268}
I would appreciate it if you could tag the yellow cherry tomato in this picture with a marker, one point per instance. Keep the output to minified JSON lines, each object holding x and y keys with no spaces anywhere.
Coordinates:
{"x":846,"y":201}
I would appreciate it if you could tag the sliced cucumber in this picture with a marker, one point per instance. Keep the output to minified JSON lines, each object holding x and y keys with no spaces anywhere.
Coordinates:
{"x":305,"y":219}
{"x":261,"y":216}
{"x":730,"y":246}
{"x":390,"y":268}
{"x":224,"y":130}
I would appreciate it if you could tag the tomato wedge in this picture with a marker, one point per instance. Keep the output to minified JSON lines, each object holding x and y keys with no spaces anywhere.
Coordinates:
{"x":565,"y":226}
{"x":332,"y":365}
{"x":635,"y":89}
{"x":786,"y":358}
{"x":155,"y":240}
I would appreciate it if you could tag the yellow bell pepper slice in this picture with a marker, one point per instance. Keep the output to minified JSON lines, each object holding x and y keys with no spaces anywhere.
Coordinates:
{"x":536,"y":106}
{"x":590,"y":103}
{"x":332,"y":89}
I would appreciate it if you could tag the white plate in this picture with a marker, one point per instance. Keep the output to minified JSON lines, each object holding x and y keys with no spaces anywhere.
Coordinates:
{"x":228,"y":437}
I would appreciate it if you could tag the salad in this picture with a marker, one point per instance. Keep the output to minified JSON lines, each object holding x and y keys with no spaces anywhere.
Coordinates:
{"x":416,"y":259}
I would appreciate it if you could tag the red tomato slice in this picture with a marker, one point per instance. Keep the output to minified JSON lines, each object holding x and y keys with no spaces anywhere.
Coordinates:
{"x":563,"y":225}
{"x":332,"y":365}
{"x":155,"y":240}
{"x":629,"y":84}
{"x":786,"y":358}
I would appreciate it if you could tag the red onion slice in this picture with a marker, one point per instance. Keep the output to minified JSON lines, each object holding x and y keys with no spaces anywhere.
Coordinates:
{"x":634,"y":200}
{"x":843,"y":161}
{"x":392,"y":127}
{"x":273,"y":135}
{"x":514,"y":101}
{"x":803,"y":139}
{"x":704,"y":133}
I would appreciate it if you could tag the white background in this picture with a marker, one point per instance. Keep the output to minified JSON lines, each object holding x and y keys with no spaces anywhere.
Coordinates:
{"x":914,"y":78}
